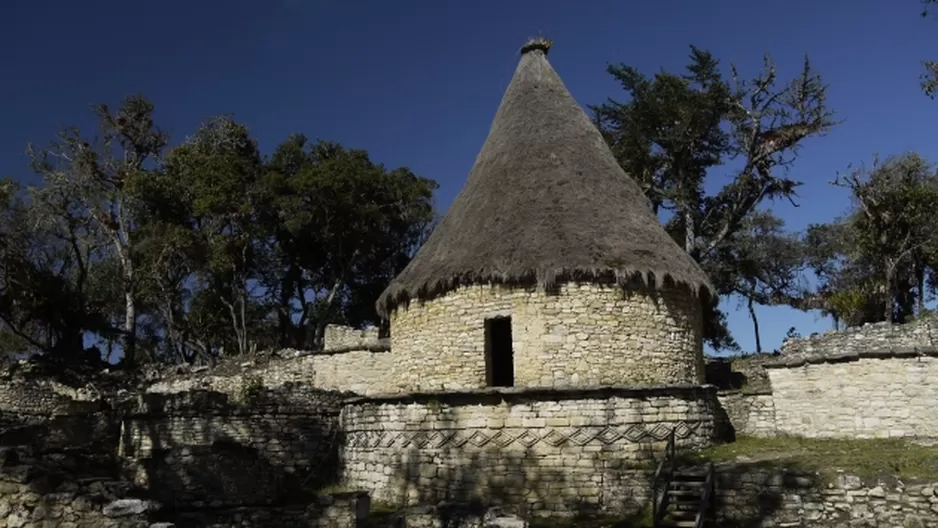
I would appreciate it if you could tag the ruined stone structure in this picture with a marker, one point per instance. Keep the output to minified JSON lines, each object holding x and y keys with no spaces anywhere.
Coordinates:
{"x":545,"y":342}
{"x":550,"y":452}
{"x":549,"y":273}
{"x":874,"y":381}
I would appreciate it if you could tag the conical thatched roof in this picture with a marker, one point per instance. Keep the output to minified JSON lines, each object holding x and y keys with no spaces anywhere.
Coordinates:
{"x":546,"y":201}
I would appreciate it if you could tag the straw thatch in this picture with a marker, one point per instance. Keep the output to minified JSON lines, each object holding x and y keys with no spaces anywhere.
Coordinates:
{"x":545,"y":202}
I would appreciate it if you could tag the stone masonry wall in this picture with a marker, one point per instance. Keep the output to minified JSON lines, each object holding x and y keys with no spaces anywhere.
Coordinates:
{"x":750,"y":414}
{"x":862,"y":398}
{"x":581,"y":335}
{"x":547,"y":451}
{"x":345,"y":337}
{"x":875,"y":337}
{"x":203,"y":449}
{"x":363,"y":371}
{"x":759,"y":496}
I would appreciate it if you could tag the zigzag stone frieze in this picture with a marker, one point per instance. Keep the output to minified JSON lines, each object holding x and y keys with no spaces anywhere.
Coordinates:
{"x":520,"y":437}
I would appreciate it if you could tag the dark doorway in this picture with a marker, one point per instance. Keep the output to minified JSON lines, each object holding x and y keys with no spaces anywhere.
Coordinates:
{"x":499,"y":360}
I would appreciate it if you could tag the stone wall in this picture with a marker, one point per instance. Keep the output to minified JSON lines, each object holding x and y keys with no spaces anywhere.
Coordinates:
{"x":890,"y":395}
{"x":203,"y":449}
{"x":579,"y":335}
{"x":24,"y":401}
{"x":362,"y":371}
{"x":338,"y":337}
{"x":749,"y":414}
{"x":74,"y":488}
{"x":876,"y":337}
{"x":548,"y":451}
{"x":742,"y":372}
{"x":757,"y":496}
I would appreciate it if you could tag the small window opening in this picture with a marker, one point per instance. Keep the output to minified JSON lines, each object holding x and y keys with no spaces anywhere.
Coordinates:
{"x":499,"y":358}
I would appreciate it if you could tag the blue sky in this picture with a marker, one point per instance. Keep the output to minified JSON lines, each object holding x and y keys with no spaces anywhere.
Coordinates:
{"x":417,"y":83}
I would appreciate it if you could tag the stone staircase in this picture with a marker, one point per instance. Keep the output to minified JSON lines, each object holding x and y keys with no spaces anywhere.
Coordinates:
{"x":682,"y":497}
{"x":684,"y":506}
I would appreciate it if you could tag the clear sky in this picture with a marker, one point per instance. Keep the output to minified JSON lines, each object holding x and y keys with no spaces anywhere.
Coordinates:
{"x":417,"y":82}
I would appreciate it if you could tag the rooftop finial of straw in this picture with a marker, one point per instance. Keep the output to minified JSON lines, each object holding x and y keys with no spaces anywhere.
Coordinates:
{"x":536,"y":43}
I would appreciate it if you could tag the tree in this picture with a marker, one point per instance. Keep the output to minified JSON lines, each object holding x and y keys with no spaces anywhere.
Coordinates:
{"x":894,"y":227}
{"x":101,"y":175}
{"x":763,"y":265}
{"x":848,"y":288}
{"x":49,"y":292}
{"x":676,"y":130}
{"x":342,"y":227}
{"x":215,"y":177}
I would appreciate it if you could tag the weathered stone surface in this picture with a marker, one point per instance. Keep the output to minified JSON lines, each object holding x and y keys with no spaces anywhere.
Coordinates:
{"x":867,"y":398}
{"x":883,"y":338}
{"x":496,"y":518}
{"x":580,"y":335}
{"x":38,"y":500}
{"x":128,"y":507}
{"x":353,"y":361}
{"x":758,"y":496}
{"x":750,"y":414}
{"x":204,"y":447}
{"x":542,"y":451}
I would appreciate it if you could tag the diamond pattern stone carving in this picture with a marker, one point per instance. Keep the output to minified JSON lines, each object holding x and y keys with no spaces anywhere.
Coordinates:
{"x":524,"y":438}
{"x":555,"y":438}
{"x":528,"y":439}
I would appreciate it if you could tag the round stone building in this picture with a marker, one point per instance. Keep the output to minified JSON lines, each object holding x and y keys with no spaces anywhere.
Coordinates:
{"x":549,"y":269}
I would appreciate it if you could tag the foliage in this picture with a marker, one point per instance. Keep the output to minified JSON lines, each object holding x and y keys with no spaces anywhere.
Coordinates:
{"x":344,"y":227}
{"x":888,"y":242}
{"x":677,"y":130}
{"x":762,"y":264}
{"x":201,"y":250}
{"x":92,"y":183}
{"x":250,"y":389}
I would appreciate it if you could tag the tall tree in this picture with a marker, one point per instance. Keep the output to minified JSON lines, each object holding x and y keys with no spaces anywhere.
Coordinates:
{"x":895,"y":227}
{"x":101,"y":174}
{"x":343,"y":226}
{"x":50,"y":292}
{"x":763,"y":264}
{"x":676,"y":130}
{"x":216,"y":175}
{"x":845,"y":280}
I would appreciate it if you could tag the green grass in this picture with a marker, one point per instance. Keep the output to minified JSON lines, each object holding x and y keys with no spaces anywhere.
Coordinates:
{"x":863,"y":458}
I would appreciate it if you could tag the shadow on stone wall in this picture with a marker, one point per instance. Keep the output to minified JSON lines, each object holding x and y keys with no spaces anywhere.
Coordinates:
{"x":466,"y":482}
{"x":749,"y":494}
{"x":236,"y":463}
{"x":63,"y":469}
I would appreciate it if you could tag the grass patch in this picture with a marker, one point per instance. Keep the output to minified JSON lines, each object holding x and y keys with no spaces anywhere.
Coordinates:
{"x":863,"y":458}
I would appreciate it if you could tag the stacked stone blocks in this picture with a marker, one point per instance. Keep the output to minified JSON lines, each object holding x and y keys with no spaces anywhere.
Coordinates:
{"x":582,"y":334}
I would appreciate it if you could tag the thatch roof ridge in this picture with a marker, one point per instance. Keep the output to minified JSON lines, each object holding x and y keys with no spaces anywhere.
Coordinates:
{"x":545,"y":202}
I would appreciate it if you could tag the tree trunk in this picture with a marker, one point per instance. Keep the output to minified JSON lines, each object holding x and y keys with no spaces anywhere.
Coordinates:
{"x":130,"y":329}
{"x":284,"y":319}
{"x":920,"y":284}
{"x":755,"y":326}
{"x":887,"y":293}
{"x":690,"y":234}
{"x":318,"y":338}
